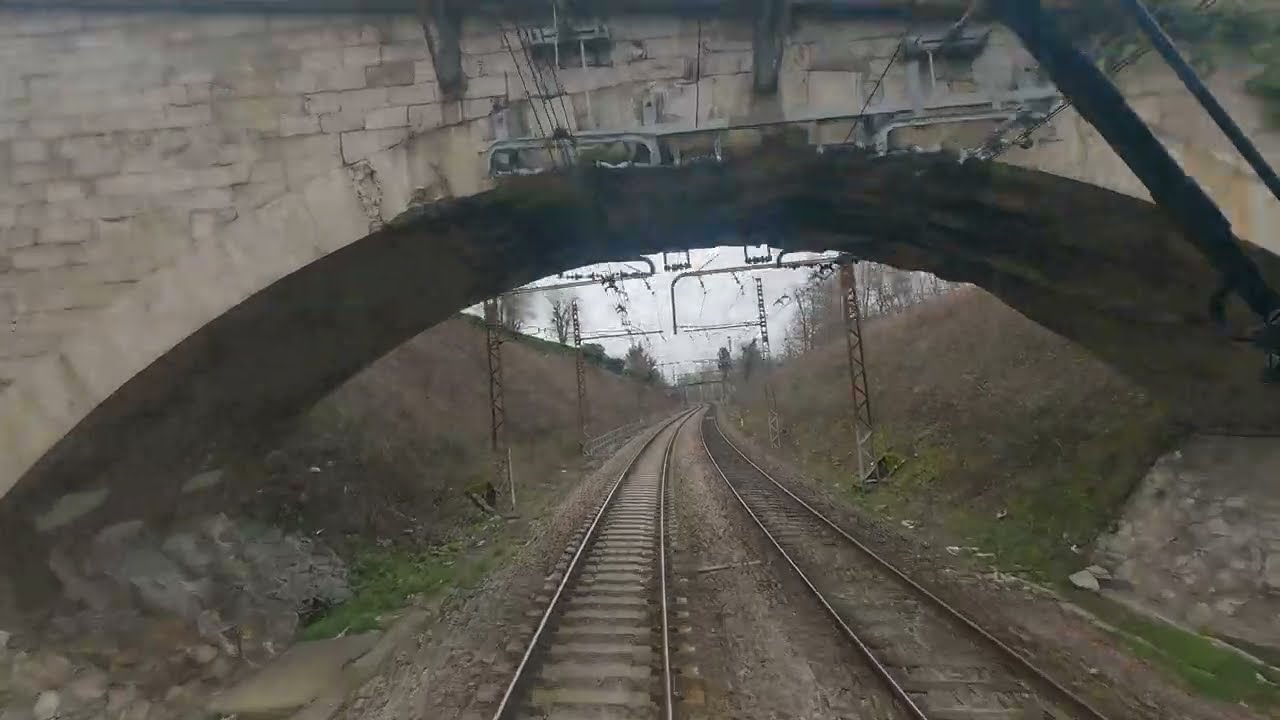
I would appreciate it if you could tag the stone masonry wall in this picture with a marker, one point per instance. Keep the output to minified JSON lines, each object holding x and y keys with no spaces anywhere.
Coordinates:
{"x":125,"y":140}
{"x":1200,"y":539}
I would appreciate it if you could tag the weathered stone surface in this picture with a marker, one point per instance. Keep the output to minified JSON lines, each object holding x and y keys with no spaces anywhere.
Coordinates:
{"x":47,"y":704}
{"x":88,"y":685}
{"x":69,"y":507}
{"x":1085,"y":580}
{"x":296,"y":678}
{"x":203,"y":481}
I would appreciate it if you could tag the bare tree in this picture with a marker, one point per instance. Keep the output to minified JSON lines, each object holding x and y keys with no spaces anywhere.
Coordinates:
{"x":561,"y":315}
{"x":513,"y":310}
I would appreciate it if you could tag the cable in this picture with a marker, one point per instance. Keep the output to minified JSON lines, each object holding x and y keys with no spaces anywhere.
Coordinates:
{"x":897,"y":50}
{"x":525,"y":86}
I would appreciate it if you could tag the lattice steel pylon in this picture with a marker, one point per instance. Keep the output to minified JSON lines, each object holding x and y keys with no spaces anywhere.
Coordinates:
{"x":863,"y":429}
{"x":497,"y":406}
{"x":775,"y":427}
{"x":581,"y":372}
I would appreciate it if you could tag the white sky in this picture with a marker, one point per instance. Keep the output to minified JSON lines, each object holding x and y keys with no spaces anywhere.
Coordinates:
{"x":717,"y":300}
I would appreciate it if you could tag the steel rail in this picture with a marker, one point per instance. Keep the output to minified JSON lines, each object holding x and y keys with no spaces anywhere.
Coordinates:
{"x":1018,"y":660}
{"x":894,"y":687}
{"x":504,"y":705}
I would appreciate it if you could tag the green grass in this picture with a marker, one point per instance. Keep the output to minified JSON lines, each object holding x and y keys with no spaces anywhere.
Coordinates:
{"x":1202,"y":665}
{"x":384,"y":579}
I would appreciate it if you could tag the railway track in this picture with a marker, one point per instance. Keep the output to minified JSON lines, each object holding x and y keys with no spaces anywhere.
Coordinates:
{"x":936,"y":663}
{"x":601,"y":649}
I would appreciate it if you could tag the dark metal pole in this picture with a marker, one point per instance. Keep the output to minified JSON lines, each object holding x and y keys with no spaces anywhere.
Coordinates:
{"x":1164,"y":45}
{"x":580,"y":372}
{"x":775,"y":427}
{"x":1102,"y":105}
{"x":859,"y":387}
{"x":497,"y":404}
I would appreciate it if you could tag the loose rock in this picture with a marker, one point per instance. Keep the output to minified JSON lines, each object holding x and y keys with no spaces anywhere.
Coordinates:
{"x":47,"y":704}
{"x":1085,"y":580}
{"x":88,"y":686}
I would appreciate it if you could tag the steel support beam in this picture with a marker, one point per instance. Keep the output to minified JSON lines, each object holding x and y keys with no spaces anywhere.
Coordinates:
{"x":863,"y":428}
{"x":497,"y":406}
{"x":775,"y":427}
{"x":580,"y":371}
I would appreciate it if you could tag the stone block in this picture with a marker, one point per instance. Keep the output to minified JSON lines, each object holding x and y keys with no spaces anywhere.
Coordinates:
{"x":417,"y":94}
{"x":363,"y":143}
{"x":64,"y":191}
{"x":320,"y":103}
{"x":362,"y":55}
{"x":364,"y":100}
{"x":261,"y":113}
{"x":298,"y":125}
{"x":347,"y":77}
{"x":396,"y":52}
{"x":426,"y":117}
{"x":73,"y":231}
{"x":302,"y":81}
{"x":484,"y":107}
{"x":342,"y":121}
{"x":9,"y":130}
{"x":305,"y":156}
{"x":205,"y":223}
{"x":29,"y":151}
{"x":483,"y":87}
{"x":16,"y":237}
{"x":387,"y":118}
{"x":330,"y":58}
{"x":40,"y":257}
{"x":725,"y":63}
{"x":424,"y":71}
{"x":91,"y":156}
{"x":390,"y":73}
{"x":25,"y":173}
{"x":498,"y":63}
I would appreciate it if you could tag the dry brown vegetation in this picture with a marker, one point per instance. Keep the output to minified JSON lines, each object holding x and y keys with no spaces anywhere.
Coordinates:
{"x":389,"y":454}
{"x":993,"y":415}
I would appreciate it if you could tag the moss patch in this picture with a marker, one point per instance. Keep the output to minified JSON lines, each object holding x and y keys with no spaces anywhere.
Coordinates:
{"x":1203,"y":666}
{"x":384,"y":579}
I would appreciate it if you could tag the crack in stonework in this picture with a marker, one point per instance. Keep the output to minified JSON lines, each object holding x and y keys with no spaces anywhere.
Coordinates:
{"x":368,"y":191}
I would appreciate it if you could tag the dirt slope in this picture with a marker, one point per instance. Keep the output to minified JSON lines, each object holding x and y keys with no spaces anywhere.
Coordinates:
{"x":993,"y":414}
{"x":389,"y":454}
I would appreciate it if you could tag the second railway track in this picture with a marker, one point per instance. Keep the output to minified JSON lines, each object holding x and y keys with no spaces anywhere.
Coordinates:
{"x":938,"y":664}
{"x":601,"y":647}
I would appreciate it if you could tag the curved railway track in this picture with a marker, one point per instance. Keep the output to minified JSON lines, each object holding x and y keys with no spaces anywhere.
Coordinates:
{"x":938,"y":664}
{"x":601,"y":648}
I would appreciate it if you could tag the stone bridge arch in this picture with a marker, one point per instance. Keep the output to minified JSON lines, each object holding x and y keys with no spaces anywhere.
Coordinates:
{"x":291,"y":300}
{"x":363,"y":211}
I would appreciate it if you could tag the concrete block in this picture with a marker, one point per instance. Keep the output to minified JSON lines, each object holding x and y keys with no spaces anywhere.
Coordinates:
{"x":362,"y":55}
{"x":425,"y":117}
{"x":363,"y":143}
{"x":364,"y":100}
{"x":172,"y":180}
{"x":298,"y":125}
{"x":390,"y":73}
{"x":387,"y":118}
{"x":405,"y":51}
{"x":42,"y":213}
{"x":29,"y":151}
{"x":9,"y":130}
{"x":417,"y":94}
{"x":342,"y":121}
{"x":8,"y":217}
{"x":200,"y":93}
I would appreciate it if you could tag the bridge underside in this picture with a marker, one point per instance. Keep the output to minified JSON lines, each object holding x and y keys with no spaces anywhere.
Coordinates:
{"x":1100,"y":268}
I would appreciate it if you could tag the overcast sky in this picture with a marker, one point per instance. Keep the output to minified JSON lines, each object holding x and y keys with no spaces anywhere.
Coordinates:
{"x":717,"y":300}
